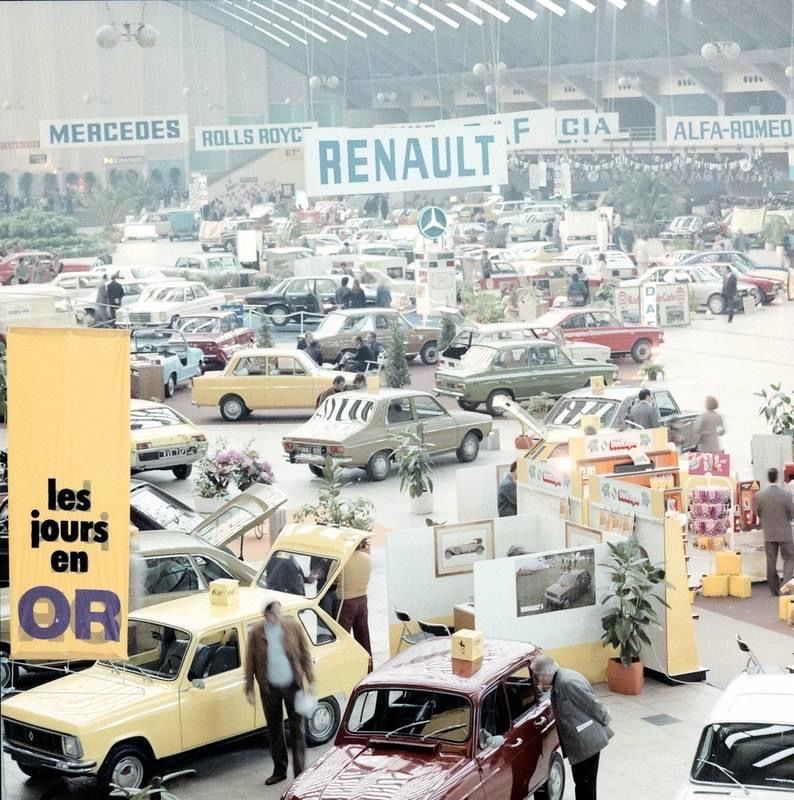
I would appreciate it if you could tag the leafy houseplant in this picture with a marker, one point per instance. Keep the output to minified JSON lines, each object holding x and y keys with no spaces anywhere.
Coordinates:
{"x":330,"y":509}
{"x":651,"y":371}
{"x":778,"y":409}
{"x":415,"y":469}
{"x":264,"y":332}
{"x":228,"y":467}
{"x":628,"y":611}
{"x":774,"y":231}
{"x":396,"y":370}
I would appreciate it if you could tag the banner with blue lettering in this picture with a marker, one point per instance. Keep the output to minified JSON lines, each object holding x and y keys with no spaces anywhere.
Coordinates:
{"x":113,"y":131}
{"x":250,"y":137}
{"x":739,"y":130}
{"x":524,"y":129}
{"x":369,"y":160}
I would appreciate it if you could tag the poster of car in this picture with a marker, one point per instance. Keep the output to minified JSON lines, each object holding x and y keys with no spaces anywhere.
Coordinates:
{"x":555,"y":582}
{"x":627,"y":304}
{"x":460,"y":547}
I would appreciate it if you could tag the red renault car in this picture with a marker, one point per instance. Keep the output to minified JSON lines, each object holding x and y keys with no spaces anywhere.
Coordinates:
{"x":419,"y":727}
{"x":601,"y":326}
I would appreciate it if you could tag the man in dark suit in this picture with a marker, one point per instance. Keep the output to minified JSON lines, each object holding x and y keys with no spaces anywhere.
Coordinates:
{"x":775,"y":507}
{"x":278,"y":658}
{"x":582,"y":722}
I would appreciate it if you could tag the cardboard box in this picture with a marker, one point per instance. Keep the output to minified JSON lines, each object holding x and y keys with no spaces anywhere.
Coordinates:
{"x":703,"y":542}
{"x":785,"y":606}
{"x":728,"y":563}
{"x":740,"y":586}
{"x":224,"y":592}
{"x":715,"y":585}
{"x":465,"y":669}
{"x":146,"y":383}
{"x":467,"y":645}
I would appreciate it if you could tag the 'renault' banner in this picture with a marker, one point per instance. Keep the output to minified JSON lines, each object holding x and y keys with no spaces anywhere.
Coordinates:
{"x":69,"y":476}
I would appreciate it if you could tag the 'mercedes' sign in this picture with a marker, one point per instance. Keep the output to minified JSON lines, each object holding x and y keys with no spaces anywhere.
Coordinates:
{"x":250,"y":137}
{"x":113,"y":131}
{"x":367,"y":160}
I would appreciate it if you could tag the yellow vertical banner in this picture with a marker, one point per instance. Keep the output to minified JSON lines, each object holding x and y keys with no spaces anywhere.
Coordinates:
{"x":69,"y":477}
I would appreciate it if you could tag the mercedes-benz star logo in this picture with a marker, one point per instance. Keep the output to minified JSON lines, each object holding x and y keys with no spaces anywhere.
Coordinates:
{"x":432,"y":222}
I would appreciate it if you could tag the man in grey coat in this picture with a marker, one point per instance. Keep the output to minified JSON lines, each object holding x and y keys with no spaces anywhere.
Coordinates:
{"x":775,"y":508}
{"x":582,"y":722}
{"x":644,"y":412}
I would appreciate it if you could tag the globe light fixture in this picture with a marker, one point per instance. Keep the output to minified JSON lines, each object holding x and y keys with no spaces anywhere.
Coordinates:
{"x":315,"y":82}
{"x":728,"y":50}
{"x":146,"y":35}
{"x":789,"y":71}
{"x":479,"y":70}
{"x":319,"y":81}
{"x":143,"y":34}
{"x":107,"y":36}
{"x":332,"y":82}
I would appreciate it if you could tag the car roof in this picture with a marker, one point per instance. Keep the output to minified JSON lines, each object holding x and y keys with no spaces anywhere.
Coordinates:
{"x":357,"y":312}
{"x":136,"y":404}
{"x":756,"y":698}
{"x":207,"y":314}
{"x":164,"y":541}
{"x":195,"y":613}
{"x":252,"y":352}
{"x":615,"y":391}
{"x":508,"y":344}
{"x":385,"y":394}
{"x":428,"y":664}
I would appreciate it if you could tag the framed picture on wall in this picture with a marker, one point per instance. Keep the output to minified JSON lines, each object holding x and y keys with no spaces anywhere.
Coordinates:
{"x":555,"y":581}
{"x":501,"y":471}
{"x":460,"y":547}
{"x":581,"y":536}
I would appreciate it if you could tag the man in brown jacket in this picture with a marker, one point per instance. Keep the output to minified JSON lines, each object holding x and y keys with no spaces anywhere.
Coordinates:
{"x":278,"y":658}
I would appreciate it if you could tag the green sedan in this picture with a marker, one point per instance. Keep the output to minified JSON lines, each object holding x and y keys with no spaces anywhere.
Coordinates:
{"x":518,"y":370}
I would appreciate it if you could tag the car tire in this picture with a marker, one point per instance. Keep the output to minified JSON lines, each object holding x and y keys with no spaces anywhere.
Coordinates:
{"x":127,"y":765}
{"x":316,"y":470}
{"x":641,"y":351}
{"x":322,"y":725}
{"x":489,"y":403}
{"x":716,"y":304}
{"x":229,"y":246}
{"x":469,"y":448}
{"x":755,"y":293}
{"x":379,"y":466}
{"x":468,"y":405}
{"x":9,"y":671}
{"x":480,"y":550}
{"x":170,"y":385}
{"x":429,"y":353}
{"x":279,"y":315}
{"x":205,"y":248}
{"x":554,"y":788}
{"x":448,"y":554}
{"x":182,"y":472}
{"x":232,"y":408}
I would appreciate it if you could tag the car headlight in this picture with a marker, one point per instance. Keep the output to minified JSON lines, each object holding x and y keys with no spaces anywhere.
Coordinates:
{"x":163,"y":316}
{"x":71,"y":746}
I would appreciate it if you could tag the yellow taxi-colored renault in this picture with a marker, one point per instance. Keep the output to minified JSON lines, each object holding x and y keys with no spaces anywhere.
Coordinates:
{"x":181,"y":686}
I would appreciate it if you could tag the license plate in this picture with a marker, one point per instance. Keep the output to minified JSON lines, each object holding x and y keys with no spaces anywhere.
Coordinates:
{"x":177,"y":451}
{"x":314,"y":451}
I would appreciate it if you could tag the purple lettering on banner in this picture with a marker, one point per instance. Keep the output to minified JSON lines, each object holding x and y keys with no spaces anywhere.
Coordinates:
{"x":108,"y":616}
{"x":27,"y":618}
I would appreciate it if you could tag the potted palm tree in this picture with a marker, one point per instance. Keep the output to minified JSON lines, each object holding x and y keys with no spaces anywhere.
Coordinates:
{"x":628,"y":611}
{"x":415,"y":468}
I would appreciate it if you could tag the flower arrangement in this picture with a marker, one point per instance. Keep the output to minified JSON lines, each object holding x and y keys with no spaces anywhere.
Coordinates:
{"x":229,"y":467}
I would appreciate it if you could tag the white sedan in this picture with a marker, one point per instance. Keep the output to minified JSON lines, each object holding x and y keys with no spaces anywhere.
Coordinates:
{"x":162,"y":303}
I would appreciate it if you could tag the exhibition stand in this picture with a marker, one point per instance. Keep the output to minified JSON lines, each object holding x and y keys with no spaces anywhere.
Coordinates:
{"x":550,"y":594}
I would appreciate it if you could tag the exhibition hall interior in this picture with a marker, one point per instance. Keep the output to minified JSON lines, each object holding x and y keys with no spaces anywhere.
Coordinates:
{"x":397,"y":399}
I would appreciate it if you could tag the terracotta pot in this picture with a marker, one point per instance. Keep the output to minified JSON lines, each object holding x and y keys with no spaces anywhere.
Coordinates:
{"x":624,"y":680}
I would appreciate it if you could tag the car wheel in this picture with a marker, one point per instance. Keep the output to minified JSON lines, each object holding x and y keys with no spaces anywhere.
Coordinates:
{"x":755,"y":293}
{"x":467,"y":405}
{"x":9,"y":672}
{"x":170,"y":386}
{"x":232,"y":408}
{"x":279,"y":315}
{"x":554,"y":788}
{"x":641,"y":351}
{"x":205,"y":248}
{"x":429,"y":353}
{"x":448,"y":554}
{"x":469,"y":448}
{"x":379,"y":466}
{"x":182,"y":472}
{"x":480,"y":550}
{"x":489,"y":403}
{"x":565,"y":603}
{"x":322,"y":724}
{"x":316,"y":470}
{"x":126,"y":765}
{"x":229,"y":246}
{"x":716,"y":304}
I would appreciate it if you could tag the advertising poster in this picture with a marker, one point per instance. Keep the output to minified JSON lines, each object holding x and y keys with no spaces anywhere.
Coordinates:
{"x":650,"y":307}
{"x":113,"y":131}
{"x":627,"y":304}
{"x":69,"y":500}
{"x":250,"y":137}
{"x":672,"y":305}
{"x":555,"y":582}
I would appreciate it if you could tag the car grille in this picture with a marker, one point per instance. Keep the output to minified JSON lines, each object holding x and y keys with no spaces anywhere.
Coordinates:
{"x":139,"y":317}
{"x":36,"y":738}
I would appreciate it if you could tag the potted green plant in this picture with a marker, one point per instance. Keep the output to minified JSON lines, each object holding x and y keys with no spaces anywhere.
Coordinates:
{"x":651,"y":371}
{"x":396,"y":369}
{"x":415,"y":469}
{"x":777,"y":409}
{"x":773,"y":234}
{"x":628,"y":611}
{"x":331,"y":509}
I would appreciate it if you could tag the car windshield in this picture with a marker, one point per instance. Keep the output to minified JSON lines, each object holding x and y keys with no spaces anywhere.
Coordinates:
{"x":144,"y":272}
{"x":345,"y":408}
{"x":162,"y":510}
{"x":281,"y":288}
{"x":198,"y":325}
{"x":569,"y":411}
{"x":296,"y":573}
{"x":154,"y":417}
{"x":753,"y":754}
{"x":477,"y":357}
{"x":414,"y":713}
{"x":154,"y":650}
{"x":332,"y":324}
{"x":163,"y":294}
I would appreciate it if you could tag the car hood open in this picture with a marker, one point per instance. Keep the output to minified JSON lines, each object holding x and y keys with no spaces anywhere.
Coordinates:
{"x":393,"y":774}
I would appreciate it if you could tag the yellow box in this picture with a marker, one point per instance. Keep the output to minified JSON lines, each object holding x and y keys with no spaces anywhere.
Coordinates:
{"x":703,"y":542}
{"x":785,"y":606}
{"x":465,"y":669}
{"x":740,"y":586}
{"x":597,"y":384}
{"x":224,"y":592}
{"x":467,"y":645}
{"x":716,"y":542}
{"x":728,"y":563}
{"x":590,"y":421}
{"x":715,"y":585}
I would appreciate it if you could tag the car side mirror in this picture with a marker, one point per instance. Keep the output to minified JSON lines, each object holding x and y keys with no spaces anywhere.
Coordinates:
{"x":197,"y":683}
{"x":492,"y":741}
